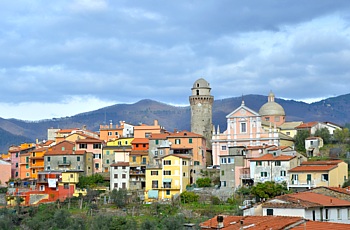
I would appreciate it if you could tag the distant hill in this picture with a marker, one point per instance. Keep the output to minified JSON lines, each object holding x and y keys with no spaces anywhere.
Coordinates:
{"x":13,"y":131}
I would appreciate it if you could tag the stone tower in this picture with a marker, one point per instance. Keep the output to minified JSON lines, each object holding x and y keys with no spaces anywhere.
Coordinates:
{"x":201,"y":110}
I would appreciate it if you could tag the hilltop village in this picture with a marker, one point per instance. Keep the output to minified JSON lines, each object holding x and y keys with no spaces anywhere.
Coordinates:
{"x":255,"y":147}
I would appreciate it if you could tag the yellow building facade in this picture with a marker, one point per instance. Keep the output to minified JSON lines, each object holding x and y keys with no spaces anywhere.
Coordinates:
{"x":168,"y":179}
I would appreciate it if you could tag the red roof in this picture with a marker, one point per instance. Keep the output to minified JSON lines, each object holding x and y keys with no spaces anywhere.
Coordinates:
{"x":319,"y":225}
{"x":330,"y":162}
{"x":139,"y":152}
{"x":184,"y":134}
{"x":89,"y":140}
{"x":270,"y":157}
{"x":313,"y":168}
{"x":140,"y":141}
{"x":120,"y":163}
{"x":323,"y":200}
{"x":307,"y":125}
{"x":251,"y":222}
{"x":160,"y":136}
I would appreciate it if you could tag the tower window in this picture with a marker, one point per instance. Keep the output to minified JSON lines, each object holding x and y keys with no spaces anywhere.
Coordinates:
{"x":197,"y":92}
{"x":197,"y":84}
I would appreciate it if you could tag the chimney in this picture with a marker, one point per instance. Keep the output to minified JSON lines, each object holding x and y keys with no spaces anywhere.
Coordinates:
{"x":155,"y":122}
{"x":175,"y":130}
{"x":220,"y":220}
{"x":241,"y":224}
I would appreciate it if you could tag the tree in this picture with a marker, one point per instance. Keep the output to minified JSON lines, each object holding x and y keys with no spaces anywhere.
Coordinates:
{"x":90,"y":181}
{"x":188,"y":197}
{"x":341,"y":135}
{"x":203,"y":182}
{"x":269,"y":189}
{"x":300,"y":140}
{"x":324,"y":134}
{"x":120,"y":197}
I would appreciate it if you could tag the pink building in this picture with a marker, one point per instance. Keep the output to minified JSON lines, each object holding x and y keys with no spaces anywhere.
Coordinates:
{"x":5,"y":175}
{"x":244,"y":128}
{"x":93,"y":146}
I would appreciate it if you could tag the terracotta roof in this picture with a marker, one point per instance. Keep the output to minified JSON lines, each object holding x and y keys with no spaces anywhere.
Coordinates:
{"x":140,"y":141}
{"x":278,"y":147}
{"x":307,"y":125}
{"x":252,"y":222}
{"x":159,"y":136}
{"x":330,"y":162}
{"x":319,"y":225}
{"x":306,"y":200}
{"x":185,"y":156}
{"x":313,"y":168}
{"x":184,"y":133}
{"x":259,"y":147}
{"x":139,"y":152}
{"x":120,"y":163}
{"x":89,"y":140}
{"x":66,"y":130}
{"x":270,"y":157}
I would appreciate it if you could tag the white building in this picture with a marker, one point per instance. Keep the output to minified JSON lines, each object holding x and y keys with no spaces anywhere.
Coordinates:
{"x":309,"y":205}
{"x":119,"y":175}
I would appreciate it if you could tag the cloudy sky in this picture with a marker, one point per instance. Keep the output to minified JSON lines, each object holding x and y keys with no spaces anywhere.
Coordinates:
{"x":60,"y":58}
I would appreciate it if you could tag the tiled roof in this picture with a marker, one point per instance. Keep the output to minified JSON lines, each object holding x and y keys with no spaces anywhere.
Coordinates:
{"x":306,"y":200}
{"x":290,"y":125}
{"x":139,"y":152}
{"x":140,"y":141}
{"x":251,"y":222}
{"x":66,"y":130}
{"x":159,"y":136}
{"x":89,"y":140}
{"x":319,"y":225}
{"x":184,"y":133}
{"x":120,"y":163}
{"x":312,"y":168}
{"x":270,"y":157}
{"x":259,"y":147}
{"x":330,"y":162}
{"x":185,"y":156}
{"x":307,"y":125}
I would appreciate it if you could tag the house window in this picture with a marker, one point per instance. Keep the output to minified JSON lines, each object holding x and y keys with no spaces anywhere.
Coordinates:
{"x":123,"y":167}
{"x":124,"y":185}
{"x":154,"y":173}
{"x":27,"y":174}
{"x":16,"y":154}
{"x":115,"y":176}
{"x":161,"y":152}
{"x":78,"y":158}
{"x":123,"y":176}
{"x":27,"y":159}
{"x":66,"y":186}
{"x":33,"y":171}
{"x":326,"y":214}
{"x":168,"y":162}
{"x":184,"y":162}
{"x":144,"y":160}
{"x":97,"y":165}
{"x":27,"y":166}
{"x":223,"y":183}
{"x":230,"y":160}
{"x":34,"y":161}
{"x":277,"y":163}
{"x":167,"y":192}
{"x":339,"y":214}
{"x":115,"y":185}
{"x":96,"y":146}
{"x":107,"y":152}
{"x":324,"y":177}
{"x":269,"y":212}
{"x":147,"y":135}
{"x":184,"y":174}
{"x":107,"y":161}
{"x":16,"y":164}
{"x":154,"y":184}
{"x":283,"y":173}
{"x":223,"y":160}
{"x":223,"y":147}
{"x":190,"y":140}
{"x":48,"y":159}
{"x":277,"y":118}
{"x":243,"y":127}
{"x":196,"y":162}
{"x":157,"y":142}
{"x":259,"y":163}
{"x":167,"y":172}
{"x":263,"y":174}
{"x":133,"y":158}
{"x":63,"y":148}
{"x":16,"y":174}
{"x":222,"y":173}
{"x":177,"y":141}
{"x":267,"y":119}
{"x":156,"y":153}
{"x":109,"y":133}
{"x":288,"y":133}
{"x":48,"y":168}
{"x":83,"y":146}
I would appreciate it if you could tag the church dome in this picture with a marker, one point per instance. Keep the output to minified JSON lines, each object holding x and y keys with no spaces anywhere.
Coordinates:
{"x":271,"y":108}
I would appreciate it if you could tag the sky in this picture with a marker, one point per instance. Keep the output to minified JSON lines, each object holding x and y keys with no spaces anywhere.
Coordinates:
{"x":61,"y":58}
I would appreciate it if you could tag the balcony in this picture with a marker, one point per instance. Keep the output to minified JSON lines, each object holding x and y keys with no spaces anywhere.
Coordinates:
{"x":64,"y":163}
{"x":137,"y":172}
{"x":170,"y":187}
{"x":301,"y":184}
{"x":245,"y":176}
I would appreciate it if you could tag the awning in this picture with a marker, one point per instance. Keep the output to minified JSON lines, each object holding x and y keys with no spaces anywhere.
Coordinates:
{"x":167,"y":180}
{"x":153,"y":194}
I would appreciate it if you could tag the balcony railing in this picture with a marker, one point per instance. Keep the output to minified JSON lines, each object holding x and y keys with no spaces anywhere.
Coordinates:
{"x":137,"y":173}
{"x":245,"y":176}
{"x":304,"y":184}
{"x":64,"y":163}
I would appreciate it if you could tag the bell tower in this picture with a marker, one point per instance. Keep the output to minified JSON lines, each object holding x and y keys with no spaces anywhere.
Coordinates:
{"x":201,"y":110}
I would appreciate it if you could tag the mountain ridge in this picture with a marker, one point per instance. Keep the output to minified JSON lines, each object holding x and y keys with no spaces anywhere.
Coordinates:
{"x":334,"y":109}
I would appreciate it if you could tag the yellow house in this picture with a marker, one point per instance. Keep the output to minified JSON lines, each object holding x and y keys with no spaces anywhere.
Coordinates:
{"x":288,"y":128}
{"x":168,"y":178}
{"x":332,"y":173}
{"x":70,"y":179}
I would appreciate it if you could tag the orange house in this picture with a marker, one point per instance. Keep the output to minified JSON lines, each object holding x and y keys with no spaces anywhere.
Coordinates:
{"x":140,"y":144}
{"x":37,"y":162}
{"x":24,"y":170}
{"x":143,"y":130}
